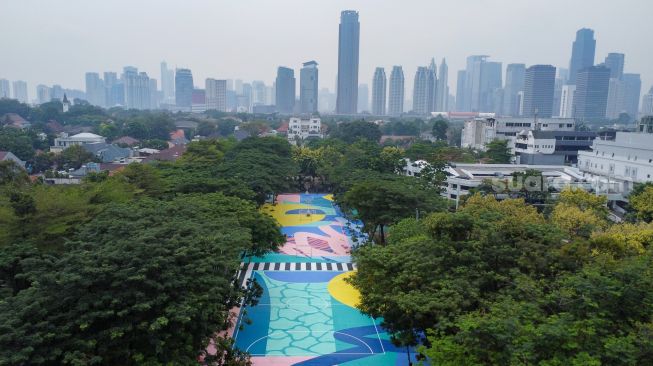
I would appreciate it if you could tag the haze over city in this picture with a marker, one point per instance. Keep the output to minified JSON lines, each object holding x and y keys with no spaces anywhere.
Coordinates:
{"x":57,"y":42}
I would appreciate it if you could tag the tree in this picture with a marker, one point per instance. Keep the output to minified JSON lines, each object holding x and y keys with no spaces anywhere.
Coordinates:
{"x":17,"y":142}
{"x":349,"y":132}
{"x":379,"y":203}
{"x":498,"y":152}
{"x":12,"y":174}
{"x":641,"y":202}
{"x":440,"y":127}
{"x":160,"y":304}
{"x":74,"y":157}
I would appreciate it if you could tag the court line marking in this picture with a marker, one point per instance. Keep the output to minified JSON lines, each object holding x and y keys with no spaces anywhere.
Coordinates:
{"x":312,"y":331}
{"x":378,"y":335}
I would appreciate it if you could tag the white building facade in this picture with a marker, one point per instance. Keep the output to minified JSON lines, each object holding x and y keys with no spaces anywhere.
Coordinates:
{"x":64,"y":141}
{"x":304,"y":128}
{"x":477,"y":133}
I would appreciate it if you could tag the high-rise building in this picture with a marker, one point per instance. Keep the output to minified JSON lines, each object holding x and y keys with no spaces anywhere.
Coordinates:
{"x":591,"y":98}
{"x":647,"y":103}
{"x":557,"y":95}
{"x":20,"y":91}
{"x":216,"y":94}
{"x":491,"y":82}
{"x":379,"y":89}
{"x":57,"y":92}
{"x":582,"y":53}
{"x":137,"y":88}
{"x":433,"y":86}
{"x":348,"y":48}
{"x":167,"y":83}
{"x":94,"y":89}
{"x":461,"y":82}
{"x":623,"y":96}
{"x":308,"y":87}
{"x":198,"y":104}
{"x":259,"y":93}
{"x":5,"y":89}
{"x":42,"y":93}
{"x":567,"y":101}
{"x":396,"y":94}
{"x":515,"y":74}
{"x":421,"y":90}
{"x":539,"y":82}
{"x":615,"y":62}
{"x":110,"y":82}
{"x":184,"y":89}
{"x":363,"y":98}
{"x":285,"y":93}
{"x":245,"y":99}
{"x":442,"y":92}
{"x":153,"y":90}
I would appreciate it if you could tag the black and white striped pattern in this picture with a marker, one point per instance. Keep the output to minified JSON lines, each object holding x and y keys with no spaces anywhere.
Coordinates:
{"x":301,"y":266}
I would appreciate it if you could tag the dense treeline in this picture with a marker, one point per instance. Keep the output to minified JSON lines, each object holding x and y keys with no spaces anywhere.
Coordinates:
{"x":138,"y":267}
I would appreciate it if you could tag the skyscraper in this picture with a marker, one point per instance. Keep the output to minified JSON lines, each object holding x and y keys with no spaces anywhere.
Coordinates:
{"x":515,"y":74}
{"x":442,"y":93}
{"x":647,"y":103}
{"x":20,"y":91}
{"x":582,"y":53}
{"x":379,"y":88}
{"x":461,"y":92}
{"x":42,"y":93}
{"x":615,"y":62}
{"x":567,"y":101}
{"x":433,"y":86}
{"x":216,"y":94}
{"x":363,"y":98}
{"x":308,"y":87}
{"x":489,"y":90}
{"x":539,"y":83}
{"x":285,"y":94}
{"x":259,"y":93}
{"x":94,"y":89}
{"x":632,"y":84}
{"x":184,"y":89}
{"x":153,"y":91}
{"x":5,"y":91}
{"x":591,"y":98}
{"x":167,"y":83}
{"x":396,"y":95}
{"x":110,"y":81}
{"x":421,"y":92}
{"x":137,"y":88}
{"x":348,"y":47}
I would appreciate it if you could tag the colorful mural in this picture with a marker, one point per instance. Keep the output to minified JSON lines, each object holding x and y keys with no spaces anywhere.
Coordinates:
{"x":307,"y":314}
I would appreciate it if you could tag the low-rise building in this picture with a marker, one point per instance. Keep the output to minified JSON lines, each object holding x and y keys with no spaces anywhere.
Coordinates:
{"x":538,"y":147}
{"x":621,"y":162}
{"x":8,"y":156}
{"x":108,"y":153}
{"x":301,"y":128}
{"x":64,"y":141}
{"x":478,"y":132}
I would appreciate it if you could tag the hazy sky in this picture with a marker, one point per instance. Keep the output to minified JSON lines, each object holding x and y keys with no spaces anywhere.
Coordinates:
{"x":56,"y":42}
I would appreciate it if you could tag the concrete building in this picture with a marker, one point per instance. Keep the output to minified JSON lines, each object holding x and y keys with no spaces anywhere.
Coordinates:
{"x":137,"y":89}
{"x":567,"y":101}
{"x":379,"y":92}
{"x":198,"y":104}
{"x":422,"y":91}
{"x":348,"y":52}
{"x":442,"y":90}
{"x":184,"y":89}
{"x":95,"y":93}
{"x":363,"y":98}
{"x":480,"y":131}
{"x":551,"y":147}
{"x":647,"y":103}
{"x":167,"y":83}
{"x":285,"y":93}
{"x":301,"y":129}
{"x":308,"y":87}
{"x":64,"y":141}
{"x":5,"y":89}
{"x":591,"y":97}
{"x":43,"y":94}
{"x":582,"y":53}
{"x":621,"y":163}
{"x":216,"y":94}
{"x":515,"y":75}
{"x":397,"y":89}
{"x":539,"y":82}
{"x":615,"y":62}
{"x":20,"y":91}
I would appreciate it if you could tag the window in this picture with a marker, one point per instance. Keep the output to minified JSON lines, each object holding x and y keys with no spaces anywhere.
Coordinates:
{"x":569,"y":125}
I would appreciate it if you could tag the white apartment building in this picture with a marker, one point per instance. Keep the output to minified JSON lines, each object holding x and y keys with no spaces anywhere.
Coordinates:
{"x":300,"y":128}
{"x":567,"y":101}
{"x":64,"y":141}
{"x":622,"y":162}
{"x":478,"y":132}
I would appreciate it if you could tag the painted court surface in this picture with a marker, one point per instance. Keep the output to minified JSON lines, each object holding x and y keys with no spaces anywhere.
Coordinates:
{"x":307,"y":313}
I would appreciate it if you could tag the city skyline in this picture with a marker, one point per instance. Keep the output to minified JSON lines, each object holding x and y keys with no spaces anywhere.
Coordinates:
{"x":24,"y":59}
